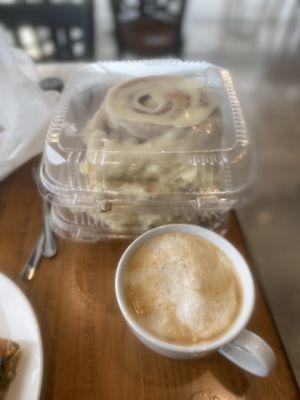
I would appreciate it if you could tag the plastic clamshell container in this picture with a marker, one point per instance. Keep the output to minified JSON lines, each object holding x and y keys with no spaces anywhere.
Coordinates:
{"x":117,"y":185}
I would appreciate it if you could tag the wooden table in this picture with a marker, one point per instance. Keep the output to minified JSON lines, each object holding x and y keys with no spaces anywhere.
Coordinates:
{"x":89,"y":351}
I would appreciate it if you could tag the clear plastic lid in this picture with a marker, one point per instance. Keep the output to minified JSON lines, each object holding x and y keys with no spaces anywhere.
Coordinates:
{"x":147,"y":131}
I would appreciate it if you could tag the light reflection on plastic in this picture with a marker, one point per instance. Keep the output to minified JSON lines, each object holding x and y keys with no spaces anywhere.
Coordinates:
{"x":54,"y":139}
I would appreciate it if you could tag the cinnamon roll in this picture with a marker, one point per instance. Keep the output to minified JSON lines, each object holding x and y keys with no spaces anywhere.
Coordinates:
{"x":149,"y":106}
{"x":141,"y":119}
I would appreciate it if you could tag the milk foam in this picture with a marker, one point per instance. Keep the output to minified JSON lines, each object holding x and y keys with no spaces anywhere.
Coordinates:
{"x":182,"y":288}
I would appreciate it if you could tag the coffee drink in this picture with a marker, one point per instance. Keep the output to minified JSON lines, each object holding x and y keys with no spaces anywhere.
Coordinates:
{"x":183,"y":289}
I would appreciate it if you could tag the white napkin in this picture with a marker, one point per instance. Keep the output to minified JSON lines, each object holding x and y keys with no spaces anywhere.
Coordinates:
{"x":24,"y":108}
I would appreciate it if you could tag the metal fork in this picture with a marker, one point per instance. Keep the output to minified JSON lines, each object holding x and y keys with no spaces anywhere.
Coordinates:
{"x":45,"y":245}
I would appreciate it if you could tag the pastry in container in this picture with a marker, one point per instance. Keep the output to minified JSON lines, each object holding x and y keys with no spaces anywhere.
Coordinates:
{"x":134,"y":145}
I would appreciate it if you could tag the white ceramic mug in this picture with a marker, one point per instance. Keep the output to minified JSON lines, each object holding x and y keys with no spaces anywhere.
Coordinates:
{"x":239,"y":345}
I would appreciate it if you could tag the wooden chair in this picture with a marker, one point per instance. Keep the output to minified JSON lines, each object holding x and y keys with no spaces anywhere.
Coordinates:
{"x":148,"y":27}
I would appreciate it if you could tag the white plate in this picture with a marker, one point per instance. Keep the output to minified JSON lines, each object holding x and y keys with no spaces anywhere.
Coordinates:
{"x":18,"y":322}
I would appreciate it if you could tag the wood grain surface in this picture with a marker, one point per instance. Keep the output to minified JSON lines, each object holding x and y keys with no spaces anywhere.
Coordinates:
{"x":89,"y":352}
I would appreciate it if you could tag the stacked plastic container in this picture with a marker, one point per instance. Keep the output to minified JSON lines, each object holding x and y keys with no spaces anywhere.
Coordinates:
{"x":134,"y":145}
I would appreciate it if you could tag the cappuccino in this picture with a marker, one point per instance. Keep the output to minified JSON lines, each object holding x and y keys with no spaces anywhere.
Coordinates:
{"x":182,"y":289}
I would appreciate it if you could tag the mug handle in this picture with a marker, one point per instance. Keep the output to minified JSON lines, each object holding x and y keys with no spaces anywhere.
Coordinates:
{"x":251,"y":353}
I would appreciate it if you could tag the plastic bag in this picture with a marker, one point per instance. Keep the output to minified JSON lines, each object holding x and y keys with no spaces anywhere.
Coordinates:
{"x":24,"y":108}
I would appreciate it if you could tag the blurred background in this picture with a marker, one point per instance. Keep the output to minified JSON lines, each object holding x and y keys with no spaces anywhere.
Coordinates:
{"x":259,"y":42}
